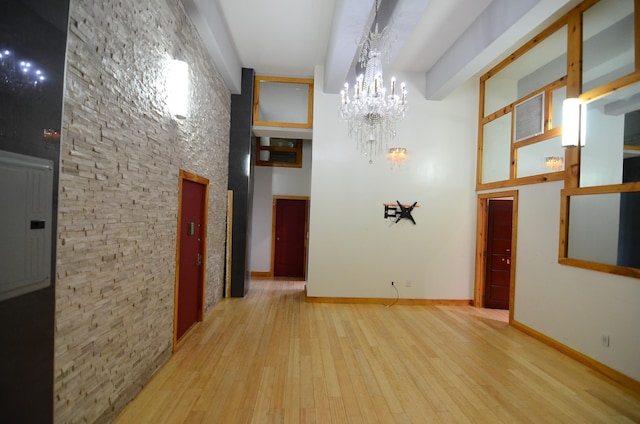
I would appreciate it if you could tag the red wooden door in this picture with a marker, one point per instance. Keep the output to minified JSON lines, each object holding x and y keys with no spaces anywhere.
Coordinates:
{"x":190,"y":272}
{"x":498,"y":257}
{"x":291,"y":222}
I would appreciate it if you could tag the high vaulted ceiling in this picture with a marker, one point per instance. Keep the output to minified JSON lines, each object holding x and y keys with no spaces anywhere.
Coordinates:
{"x":447,"y":41}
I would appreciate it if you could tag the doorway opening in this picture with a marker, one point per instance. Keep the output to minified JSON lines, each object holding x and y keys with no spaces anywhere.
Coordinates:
{"x":496,"y":235}
{"x":191,"y":253}
{"x":290,"y":228}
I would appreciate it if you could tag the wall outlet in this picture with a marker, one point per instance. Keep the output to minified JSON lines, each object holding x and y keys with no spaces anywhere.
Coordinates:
{"x":407,"y":283}
{"x":604,"y":340}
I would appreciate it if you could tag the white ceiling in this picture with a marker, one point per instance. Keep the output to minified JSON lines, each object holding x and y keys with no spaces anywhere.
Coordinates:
{"x":448,"y":41}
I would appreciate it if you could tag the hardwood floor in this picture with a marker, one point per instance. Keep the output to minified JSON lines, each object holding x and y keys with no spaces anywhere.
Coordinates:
{"x":272,"y":358}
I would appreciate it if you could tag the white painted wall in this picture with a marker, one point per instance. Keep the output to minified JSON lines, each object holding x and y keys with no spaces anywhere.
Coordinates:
{"x":571,"y":305}
{"x":260,"y":260}
{"x":270,"y":181}
{"x":353,"y":250}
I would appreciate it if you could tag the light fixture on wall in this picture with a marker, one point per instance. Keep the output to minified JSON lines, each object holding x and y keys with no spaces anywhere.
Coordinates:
{"x":397,"y":155}
{"x":371,"y":112}
{"x":553,"y":163}
{"x":178,"y":88}
{"x":571,"y":123}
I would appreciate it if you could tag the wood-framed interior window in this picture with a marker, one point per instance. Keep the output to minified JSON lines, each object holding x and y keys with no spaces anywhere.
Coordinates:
{"x":274,"y":151}
{"x":520,"y":119}
{"x":283,"y":102}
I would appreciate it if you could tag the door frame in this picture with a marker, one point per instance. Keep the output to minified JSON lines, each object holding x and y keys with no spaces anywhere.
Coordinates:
{"x":185,"y":175}
{"x":273,"y":231}
{"x":481,"y":243}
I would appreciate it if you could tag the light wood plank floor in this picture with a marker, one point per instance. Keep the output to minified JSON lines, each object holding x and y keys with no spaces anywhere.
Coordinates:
{"x":272,"y":358}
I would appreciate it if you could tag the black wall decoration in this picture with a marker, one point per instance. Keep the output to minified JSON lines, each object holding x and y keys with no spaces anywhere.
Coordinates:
{"x":399,"y":211}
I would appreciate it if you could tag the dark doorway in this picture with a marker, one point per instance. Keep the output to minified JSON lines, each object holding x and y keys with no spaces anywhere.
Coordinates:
{"x":290,"y":238}
{"x":498,"y":254}
{"x":629,"y":226}
{"x":191,"y":252}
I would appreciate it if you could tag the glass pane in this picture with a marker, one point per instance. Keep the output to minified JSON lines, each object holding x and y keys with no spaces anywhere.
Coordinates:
{"x":540,"y":66}
{"x":540,"y":158}
{"x":604,"y":228}
{"x":593,"y":227}
{"x":557,"y":97}
{"x":285,"y":157}
{"x":610,"y":120}
{"x":607,"y":42}
{"x":496,"y":149}
{"x":499,"y":92}
{"x":283,"y":142}
{"x":283,"y":102}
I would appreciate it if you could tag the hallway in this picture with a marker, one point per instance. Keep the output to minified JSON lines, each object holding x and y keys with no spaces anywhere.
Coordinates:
{"x":272,"y":358}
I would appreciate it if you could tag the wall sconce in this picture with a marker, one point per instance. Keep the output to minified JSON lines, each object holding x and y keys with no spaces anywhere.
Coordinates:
{"x":572,"y":131}
{"x":397,"y":155}
{"x":553,"y":163}
{"x":178,"y":88}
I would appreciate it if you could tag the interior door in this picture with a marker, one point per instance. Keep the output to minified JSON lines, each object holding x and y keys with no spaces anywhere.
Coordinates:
{"x":190,"y":275}
{"x":498,"y":254}
{"x":290,"y":235}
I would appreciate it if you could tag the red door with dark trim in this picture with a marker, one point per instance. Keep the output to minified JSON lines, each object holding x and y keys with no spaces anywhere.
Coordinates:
{"x":190,"y":274}
{"x":289,"y":254}
{"x":498,"y":255}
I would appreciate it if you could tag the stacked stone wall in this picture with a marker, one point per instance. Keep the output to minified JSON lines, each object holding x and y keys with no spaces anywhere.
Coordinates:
{"x":121,"y":153}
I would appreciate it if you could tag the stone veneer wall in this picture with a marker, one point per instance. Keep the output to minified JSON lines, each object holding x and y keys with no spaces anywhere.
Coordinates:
{"x":120,"y":158}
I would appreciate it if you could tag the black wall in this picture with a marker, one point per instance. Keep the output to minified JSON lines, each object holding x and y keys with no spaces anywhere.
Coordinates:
{"x":34,"y":30}
{"x":241,"y":157}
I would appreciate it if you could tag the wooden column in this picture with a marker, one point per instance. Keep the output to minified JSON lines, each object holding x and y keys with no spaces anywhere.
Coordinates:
{"x":574,"y":88}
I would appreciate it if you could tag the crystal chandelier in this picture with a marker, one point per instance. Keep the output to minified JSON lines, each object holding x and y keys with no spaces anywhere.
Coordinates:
{"x":370,"y":113}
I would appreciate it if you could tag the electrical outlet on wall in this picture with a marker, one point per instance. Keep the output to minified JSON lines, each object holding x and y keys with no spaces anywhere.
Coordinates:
{"x":604,"y":340}
{"x":407,"y":283}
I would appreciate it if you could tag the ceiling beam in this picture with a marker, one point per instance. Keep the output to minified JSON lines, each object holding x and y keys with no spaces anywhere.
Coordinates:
{"x":497,"y":30}
{"x":209,"y":22}
{"x":351,"y":19}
